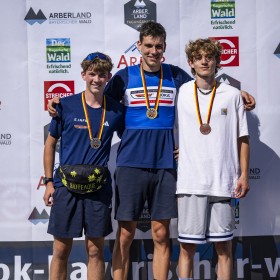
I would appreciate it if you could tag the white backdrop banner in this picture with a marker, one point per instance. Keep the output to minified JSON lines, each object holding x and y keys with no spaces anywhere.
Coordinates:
{"x":42,"y":45}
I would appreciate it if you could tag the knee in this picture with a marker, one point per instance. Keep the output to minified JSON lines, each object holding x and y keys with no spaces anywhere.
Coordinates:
{"x":187,"y":250}
{"x":223,"y":248}
{"x":161,"y":235}
{"x":126,"y":233}
{"x":95,"y":252}
{"x":61,"y":253}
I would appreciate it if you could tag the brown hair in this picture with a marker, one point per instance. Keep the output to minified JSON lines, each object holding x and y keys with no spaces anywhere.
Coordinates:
{"x":151,"y":28}
{"x":98,"y":64}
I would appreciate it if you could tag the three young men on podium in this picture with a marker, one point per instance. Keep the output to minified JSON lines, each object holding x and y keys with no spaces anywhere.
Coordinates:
{"x":146,"y":165}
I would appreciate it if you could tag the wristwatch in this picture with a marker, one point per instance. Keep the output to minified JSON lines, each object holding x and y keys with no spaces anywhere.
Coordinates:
{"x":46,"y":180}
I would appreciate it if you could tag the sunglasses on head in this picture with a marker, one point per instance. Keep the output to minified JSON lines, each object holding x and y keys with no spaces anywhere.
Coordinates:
{"x":95,"y":55}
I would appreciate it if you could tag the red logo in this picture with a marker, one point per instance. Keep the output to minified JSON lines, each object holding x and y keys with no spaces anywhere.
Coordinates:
{"x":230,"y":54}
{"x":57,"y":88}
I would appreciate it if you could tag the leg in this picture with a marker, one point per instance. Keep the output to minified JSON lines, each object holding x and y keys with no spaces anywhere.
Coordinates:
{"x":124,"y":238}
{"x":224,"y":252}
{"x":61,"y":251}
{"x":96,"y":267}
{"x":185,"y":264}
{"x":161,"y":260}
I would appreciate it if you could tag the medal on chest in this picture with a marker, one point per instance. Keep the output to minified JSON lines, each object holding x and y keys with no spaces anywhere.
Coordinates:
{"x":95,"y":142}
{"x":204,"y":128}
{"x":151,"y":113}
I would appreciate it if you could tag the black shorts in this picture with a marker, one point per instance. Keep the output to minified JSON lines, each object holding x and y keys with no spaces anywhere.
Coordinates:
{"x":136,"y":185}
{"x":73,"y":213}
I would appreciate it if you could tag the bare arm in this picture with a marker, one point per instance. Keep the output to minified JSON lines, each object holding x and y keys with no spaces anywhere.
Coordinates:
{"x":242,"y":186}
{"x":49,"y":157}
{"x":249,"y":100}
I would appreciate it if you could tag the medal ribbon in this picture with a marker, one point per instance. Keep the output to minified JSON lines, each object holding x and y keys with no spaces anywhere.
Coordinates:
{"x":146,"y":91}
{"x":210,"y":104}
{"x":87,"y":117}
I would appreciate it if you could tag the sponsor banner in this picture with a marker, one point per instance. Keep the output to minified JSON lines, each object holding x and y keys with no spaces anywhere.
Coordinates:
{"x":58,"y":17}
{"x":277,"y":51}
{"x":58,"y":55}
{"x":131,"y":56}
{"x":5,"y":139}
{"x":222,"y":14}
{"x":224,"y":78}
{"x":32,"y":17}
{"x":254,"y":258}
{"x":138,"y":12}
{"x":57,"y":89}
{"x":54,"y":38}
{"x":230,"y":53}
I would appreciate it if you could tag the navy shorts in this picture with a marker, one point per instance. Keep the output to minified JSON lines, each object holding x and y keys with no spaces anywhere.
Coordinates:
{"x":73,"y":213}
{"x":136,"y":185}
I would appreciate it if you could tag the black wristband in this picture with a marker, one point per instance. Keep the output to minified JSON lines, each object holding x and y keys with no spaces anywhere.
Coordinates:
{"x":47,"y":180}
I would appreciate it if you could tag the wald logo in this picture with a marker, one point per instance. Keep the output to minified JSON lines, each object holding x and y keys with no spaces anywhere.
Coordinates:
{"x":222,"y":9}
{"x":58,"y":50}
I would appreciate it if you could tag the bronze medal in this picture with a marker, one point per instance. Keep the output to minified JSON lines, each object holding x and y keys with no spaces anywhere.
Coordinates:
{"x":151,"y":113}
{"x":205,"y":128}
{"x":95,"y":143}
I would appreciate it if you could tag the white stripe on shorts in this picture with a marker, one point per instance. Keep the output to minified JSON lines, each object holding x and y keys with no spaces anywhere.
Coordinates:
{"x":219,"y":237}
{"x":194,"y":239}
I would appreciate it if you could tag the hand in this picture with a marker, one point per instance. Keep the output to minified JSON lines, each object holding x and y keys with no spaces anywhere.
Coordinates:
{"x":242,"y":187}
{"x":249,"y":101}
{"x":48,"y":196}
{"x":51,"y":106}
{"x":176,"y":153}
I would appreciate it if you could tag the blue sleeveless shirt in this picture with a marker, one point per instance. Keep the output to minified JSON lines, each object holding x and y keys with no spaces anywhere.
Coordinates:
{"x":148,"y":143}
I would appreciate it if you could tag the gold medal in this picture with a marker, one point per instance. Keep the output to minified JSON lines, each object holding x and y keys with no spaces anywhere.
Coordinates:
{"x":151,"y":113}
{"x":95,"y":143}
{"x":204,"y":128}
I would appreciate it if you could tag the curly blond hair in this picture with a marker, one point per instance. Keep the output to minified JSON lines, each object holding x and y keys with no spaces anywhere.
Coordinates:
{"x":210,"y":47}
